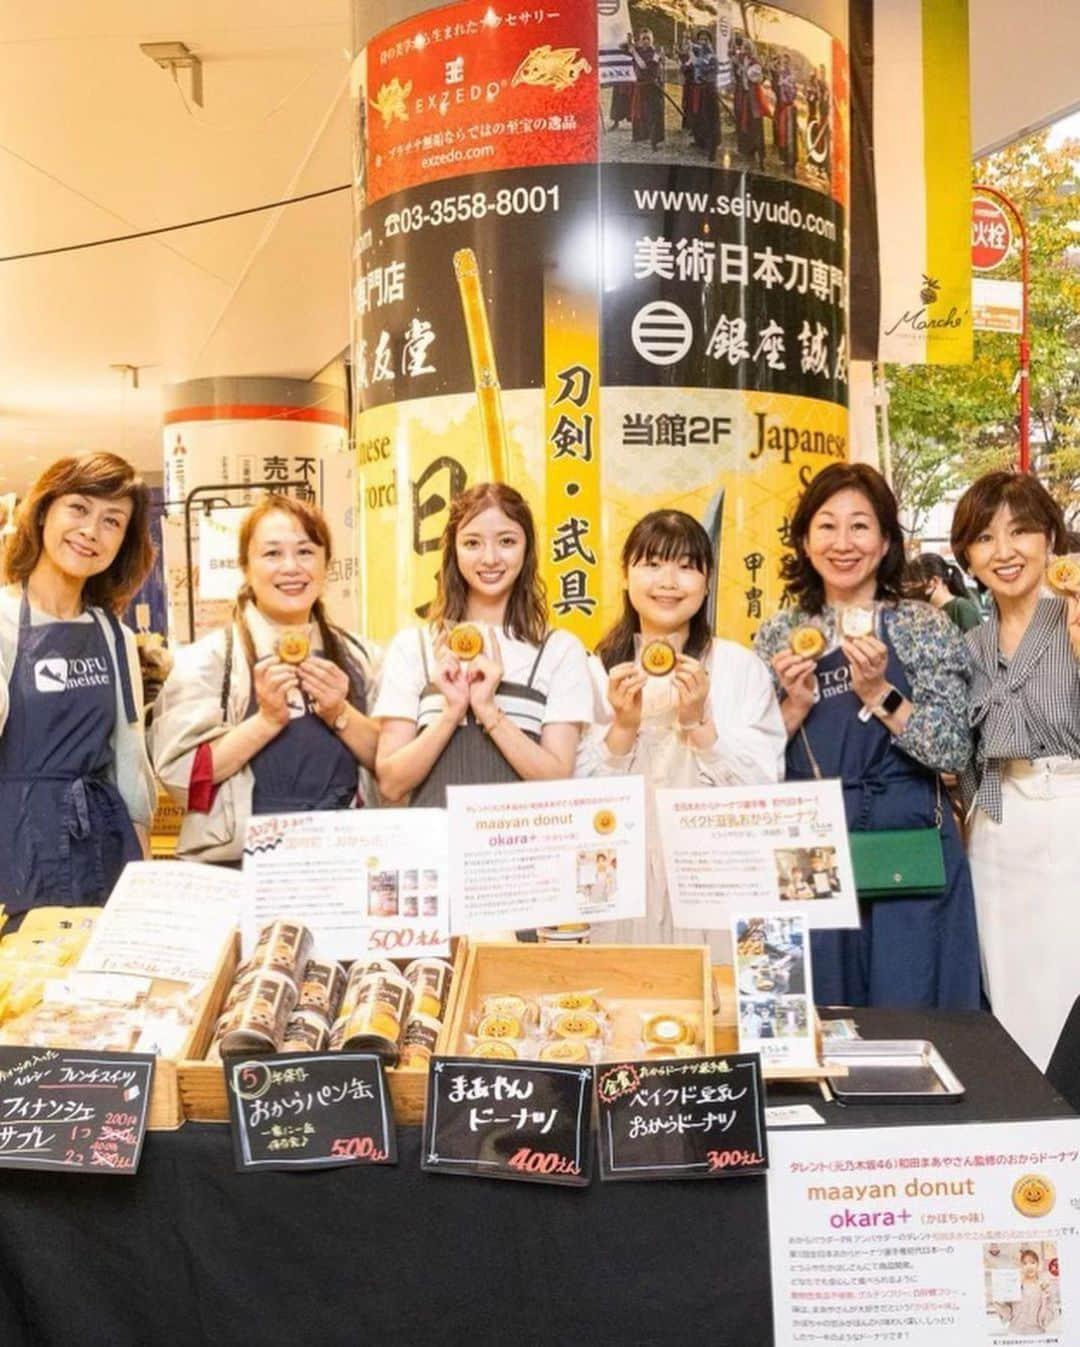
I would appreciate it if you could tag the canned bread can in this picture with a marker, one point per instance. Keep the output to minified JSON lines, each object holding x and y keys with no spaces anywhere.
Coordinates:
{"x":258,"y":1019}
{"x":430,"y":980}
{"x":383,"y":1002}
{"x":306,"y":1031}
{"x":322,"y":987}
{"x":284,"y":946}
{"x":419,"y":1039}
{"x":361,"y":969}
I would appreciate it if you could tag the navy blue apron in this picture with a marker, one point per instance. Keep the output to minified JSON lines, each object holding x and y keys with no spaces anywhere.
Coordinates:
{"x":909,"y":951}
{"x":307,"y":766}
{"x":65,"y":833}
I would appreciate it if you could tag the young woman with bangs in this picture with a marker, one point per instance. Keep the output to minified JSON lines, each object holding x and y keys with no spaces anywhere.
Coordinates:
{"x":712,"y":720}
{"x":512,"y":712}
{"x":240,"y":730}
{"x":884,"y":710}
{"x":76,"y":791}
{"x":1023,"y":788}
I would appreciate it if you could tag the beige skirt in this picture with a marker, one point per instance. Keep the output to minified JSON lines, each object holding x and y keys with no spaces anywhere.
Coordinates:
{"x":1026,"y":872}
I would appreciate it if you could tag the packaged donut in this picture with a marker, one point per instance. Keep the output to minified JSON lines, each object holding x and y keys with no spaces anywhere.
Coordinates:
{"x":658,"y":657}
{"x":857,"y":619}
{"x":509,"y":1003}
{"x":293,"y":646}
{"x":502,"y":1024}
{"x":669,"y":1031}
{"x":500,"y":1048}
{"x":555,"y":1007}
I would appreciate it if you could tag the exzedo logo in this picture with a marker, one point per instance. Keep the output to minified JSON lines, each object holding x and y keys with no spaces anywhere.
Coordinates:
{"x":51,"y":675}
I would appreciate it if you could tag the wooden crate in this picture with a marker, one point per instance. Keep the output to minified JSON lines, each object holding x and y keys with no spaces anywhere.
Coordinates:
{"x":166,"y":1110}
{"x":630,"y":980}
{"x":202,"y":1084}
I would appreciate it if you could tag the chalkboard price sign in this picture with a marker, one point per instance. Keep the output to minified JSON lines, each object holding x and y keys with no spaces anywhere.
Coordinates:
{"x":63,"y":1108}
{"x":700,"y":1118}
{"x":509,"y":1120}
{"x":310,"y":1111}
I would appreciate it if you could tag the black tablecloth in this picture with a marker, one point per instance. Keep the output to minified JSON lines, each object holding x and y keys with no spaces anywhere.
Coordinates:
{"x":188,"y":1251}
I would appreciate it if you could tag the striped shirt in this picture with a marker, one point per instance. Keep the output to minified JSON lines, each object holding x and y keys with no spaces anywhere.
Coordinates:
{"x":1026,"y":706}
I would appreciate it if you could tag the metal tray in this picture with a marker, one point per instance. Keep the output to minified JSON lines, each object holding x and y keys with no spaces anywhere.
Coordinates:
{"x":891,"y":1071}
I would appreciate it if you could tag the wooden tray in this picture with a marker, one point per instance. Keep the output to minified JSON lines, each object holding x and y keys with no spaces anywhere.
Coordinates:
{"x":201,"y":1084}
{"x":628,"y":977}
{"x":166,"y":1111}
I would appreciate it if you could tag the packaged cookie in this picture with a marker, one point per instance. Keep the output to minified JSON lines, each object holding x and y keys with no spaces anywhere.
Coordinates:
{"x":500,"y":1048}
{"x":857,"y":619}
{"x":430,"y":980}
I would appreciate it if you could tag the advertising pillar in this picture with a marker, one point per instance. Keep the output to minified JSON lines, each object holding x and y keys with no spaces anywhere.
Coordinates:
{"x":227,"y":442}
{"x":599,"y":254}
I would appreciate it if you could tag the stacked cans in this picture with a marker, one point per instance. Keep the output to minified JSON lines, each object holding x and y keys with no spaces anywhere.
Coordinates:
{"x":278,"y":995}
{"x":397,"y":1015}
{"x":283,"y":1000}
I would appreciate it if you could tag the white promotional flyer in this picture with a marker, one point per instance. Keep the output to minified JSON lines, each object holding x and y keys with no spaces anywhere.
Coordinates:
{"x":545,"y":853}
{"x":926,"y":1236}
{"x":366,"y":881}
{"x":768,"y":848}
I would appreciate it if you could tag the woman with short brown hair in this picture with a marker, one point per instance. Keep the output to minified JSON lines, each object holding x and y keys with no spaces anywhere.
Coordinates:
{"x":269,"y":715}
{"x":76,"y":792}
{"x":1023,"y":787}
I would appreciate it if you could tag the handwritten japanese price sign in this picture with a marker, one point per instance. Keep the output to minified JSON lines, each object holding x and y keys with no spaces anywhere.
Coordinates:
{"x":308,"y":1111}
{"x":61,"y":1108}
{"x":509,"y":1120}
{"x":699,"y":1118}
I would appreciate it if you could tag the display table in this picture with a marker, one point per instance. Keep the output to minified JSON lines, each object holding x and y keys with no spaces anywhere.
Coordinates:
{"x":189,"y":1252}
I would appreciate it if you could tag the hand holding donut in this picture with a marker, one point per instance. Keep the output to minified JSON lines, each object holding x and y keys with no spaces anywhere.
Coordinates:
{"x":326,"y":686}
{"x":868,"y":658}
{"x":625,"y":683}
{"x":273,"y":681}
{"x":691,"y":680}
{"x":797,"y":676}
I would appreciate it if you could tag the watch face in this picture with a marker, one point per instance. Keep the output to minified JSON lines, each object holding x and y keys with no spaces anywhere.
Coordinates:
{"x":891,"y":701}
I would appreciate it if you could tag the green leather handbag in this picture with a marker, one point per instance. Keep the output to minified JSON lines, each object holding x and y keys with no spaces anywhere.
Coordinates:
{"x":894,"y":862}
{"x":898,"y":862}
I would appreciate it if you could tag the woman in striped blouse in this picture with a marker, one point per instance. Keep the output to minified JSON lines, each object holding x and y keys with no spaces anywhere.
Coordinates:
{"x":1023,"y":787}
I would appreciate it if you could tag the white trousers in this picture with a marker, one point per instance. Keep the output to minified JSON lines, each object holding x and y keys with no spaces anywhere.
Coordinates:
{"x":1026,"y":872}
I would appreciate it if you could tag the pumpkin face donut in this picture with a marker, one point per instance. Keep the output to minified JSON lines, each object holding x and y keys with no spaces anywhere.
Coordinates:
{"x":658,"y":658}
{"x":465,"y":641}
{"x":575,"y":1001}
{"x":293,"y":646}
{"x":807,"y":641}
{"x":564,"y":1050}
{"x":576,"y":1024}
{"x":494,"y":1047}
{"x":499,"y":1026}
{"x":1063,"y":574}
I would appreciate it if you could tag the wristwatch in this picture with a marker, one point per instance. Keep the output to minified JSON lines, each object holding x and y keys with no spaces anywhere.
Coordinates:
{"x":339,"y":722}
{"x":890,"y":701}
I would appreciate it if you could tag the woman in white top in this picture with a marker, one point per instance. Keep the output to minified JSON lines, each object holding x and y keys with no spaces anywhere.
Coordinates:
{"x":76,"y":791}
{"x":713,"y":721}
{"x":1023,"y":787}
{"x":239,"y":730}
{"x":515,"y":711}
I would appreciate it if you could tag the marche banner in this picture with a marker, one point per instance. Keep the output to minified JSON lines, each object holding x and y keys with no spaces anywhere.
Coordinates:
{"x":911,"y":182}
{"x":611,"y":272}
